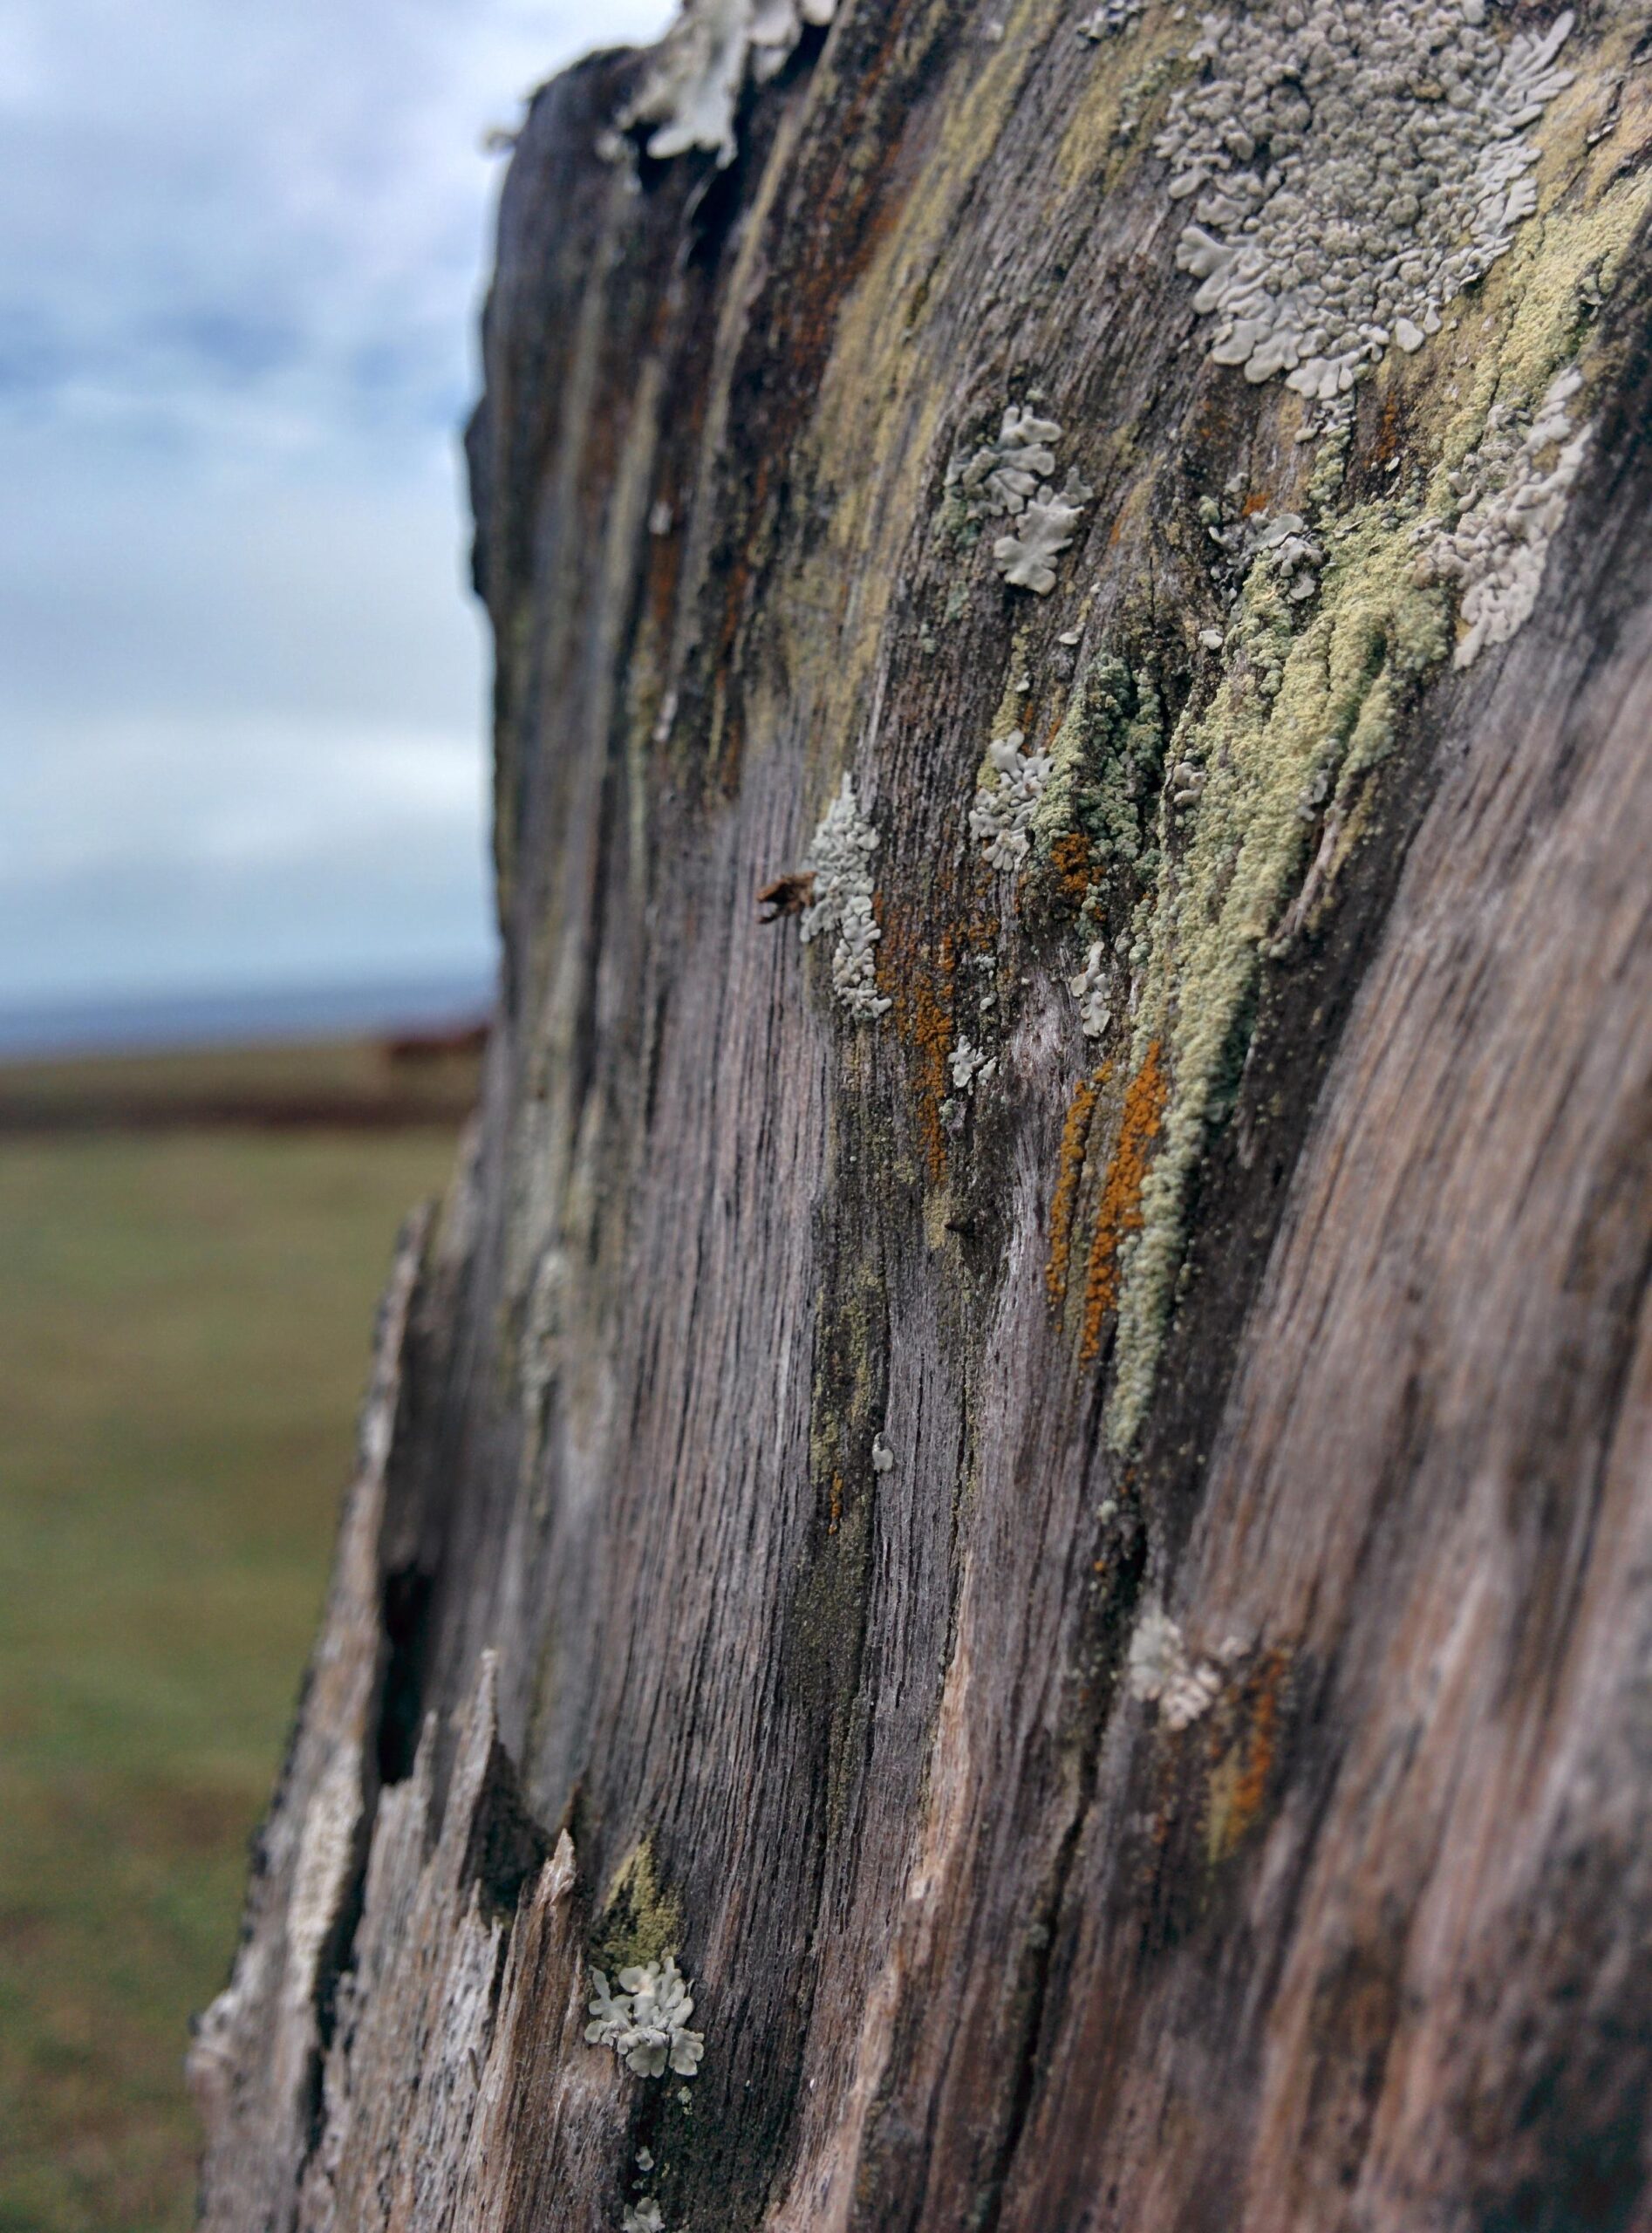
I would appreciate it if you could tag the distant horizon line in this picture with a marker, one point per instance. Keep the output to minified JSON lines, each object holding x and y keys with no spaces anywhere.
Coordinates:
{"x":151,"y":1021}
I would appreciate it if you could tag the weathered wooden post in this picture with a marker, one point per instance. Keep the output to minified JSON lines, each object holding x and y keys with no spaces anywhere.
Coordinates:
{"x":1033,"y":1474}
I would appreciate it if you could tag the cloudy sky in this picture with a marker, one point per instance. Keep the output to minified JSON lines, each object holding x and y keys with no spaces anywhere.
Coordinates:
{"x":240,"y":680}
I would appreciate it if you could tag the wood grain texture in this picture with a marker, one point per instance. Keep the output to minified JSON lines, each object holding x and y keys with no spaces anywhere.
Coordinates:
{"x":980,"y":1939}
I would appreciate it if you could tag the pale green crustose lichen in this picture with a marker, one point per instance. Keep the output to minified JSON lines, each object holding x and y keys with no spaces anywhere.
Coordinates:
{"x":1307,"y":707}
{"x":1104,"y":764}
{"x":1291,"y":708}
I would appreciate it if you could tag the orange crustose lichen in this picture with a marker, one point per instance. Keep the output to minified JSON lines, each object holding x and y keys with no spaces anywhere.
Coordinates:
{"x":1120,"y":1210}
{"x":1070,"y":1169}
{"x":1070,"y":858}
{"x":917,"y":977}
{"x":1240,"y":1779}
{"x":1262,"y":1742}
{"x":932,"y":1033}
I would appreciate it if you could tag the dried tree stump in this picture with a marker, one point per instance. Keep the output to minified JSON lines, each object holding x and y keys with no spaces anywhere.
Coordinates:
{"x":1031,"y":1460}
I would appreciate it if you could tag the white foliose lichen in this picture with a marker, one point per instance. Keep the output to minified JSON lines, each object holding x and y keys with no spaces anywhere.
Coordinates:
{"x":1356,"y":165}
{"x":1011,"y":476}
{"x":1517,"y":486}
{"x":643,"y":2216}
{"x":699,"y":70}
{"x":1005,"y":799}
{"x":1282,"y":544}
{"x":1026,"y":556}
{"x":1112,"y":17}
{"x":1092,"y":989}
{"x":1285,"y":545}
{"x":1186,"y":784}
{"x":839,"y":861}
{"x":968,"y":1063}
{"x":1000,"y":475}
{"x":646,"y":2021}
{"x":1160,"y":1672}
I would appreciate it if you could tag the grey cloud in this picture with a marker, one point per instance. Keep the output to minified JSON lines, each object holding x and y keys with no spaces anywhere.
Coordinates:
{"x":241,"y":683}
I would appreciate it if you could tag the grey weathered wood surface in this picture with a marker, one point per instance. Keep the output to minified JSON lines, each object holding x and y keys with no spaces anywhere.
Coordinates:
{"x":978,"y":1938}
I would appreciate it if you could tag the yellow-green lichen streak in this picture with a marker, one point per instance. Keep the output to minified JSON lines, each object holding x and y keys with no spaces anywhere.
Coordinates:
{"x":892,"y":350}
{"x":1334,"y":687}
{"x":1290,"y":707}
{"x":875,"y":462}
{"x":1341,"y":675}
{"x":640,"y":1921}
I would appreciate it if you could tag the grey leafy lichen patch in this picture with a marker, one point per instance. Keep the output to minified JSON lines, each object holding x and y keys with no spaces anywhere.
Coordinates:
{"x":645,"y":2021}
{"x":1160,"y":1671}
{"x":1092,"y":988}
{"x":967,"y":1063}
{"x":700,"y":69}
{"x":839,"y":861}
{"x":1515,"y":488}
{"x":1110,"y":18}
{"x":1352,"y":168}
{"x":1010,"y":475}
{"x":1001,"y":475}
{"x":1026,"y":555}
{"x":1247,"y":538}
{"x":1006,"y":796}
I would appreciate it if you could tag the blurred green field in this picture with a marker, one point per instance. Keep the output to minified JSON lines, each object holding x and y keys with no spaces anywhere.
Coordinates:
{"x":184,"y":1328}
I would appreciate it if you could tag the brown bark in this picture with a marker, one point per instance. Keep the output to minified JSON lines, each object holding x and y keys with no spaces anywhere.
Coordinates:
{"x":633,"y":1632}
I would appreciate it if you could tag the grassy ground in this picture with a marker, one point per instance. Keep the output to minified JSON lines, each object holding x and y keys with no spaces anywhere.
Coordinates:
{"x":184,"y":1321}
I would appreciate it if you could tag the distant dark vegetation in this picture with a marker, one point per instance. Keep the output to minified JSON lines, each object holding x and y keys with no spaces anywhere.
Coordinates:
{"x":373,"y":1084}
